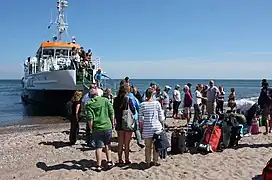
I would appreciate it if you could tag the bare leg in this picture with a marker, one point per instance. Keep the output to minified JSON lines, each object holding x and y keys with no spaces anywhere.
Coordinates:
{"x":120,"y":144}
{"x":98,"y":154}
{"x":108,"y":152}
{"x":127,"y":145}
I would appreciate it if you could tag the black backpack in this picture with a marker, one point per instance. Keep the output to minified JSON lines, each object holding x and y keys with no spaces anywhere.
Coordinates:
{"x":178,"y":142}
{"x":231,"y":131}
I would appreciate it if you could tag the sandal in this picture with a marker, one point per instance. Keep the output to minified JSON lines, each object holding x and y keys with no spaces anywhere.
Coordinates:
{"x":98,"y":169}
{"x":110,"y":164}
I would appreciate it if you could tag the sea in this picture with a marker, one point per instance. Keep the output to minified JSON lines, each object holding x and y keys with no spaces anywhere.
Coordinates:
{"x":14,"y":112}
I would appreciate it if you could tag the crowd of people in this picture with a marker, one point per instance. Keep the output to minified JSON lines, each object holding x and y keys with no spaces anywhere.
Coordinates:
{"x":105,"y":113}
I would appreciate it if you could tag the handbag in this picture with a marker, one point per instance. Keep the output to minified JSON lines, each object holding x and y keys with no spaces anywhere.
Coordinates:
{"x":128,"y":121}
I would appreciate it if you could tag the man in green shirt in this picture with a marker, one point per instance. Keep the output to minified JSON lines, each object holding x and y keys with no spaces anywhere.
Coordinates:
{"x":99,"y":112}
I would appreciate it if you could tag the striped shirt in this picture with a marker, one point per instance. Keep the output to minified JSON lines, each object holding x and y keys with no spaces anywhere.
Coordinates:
{"x":152,"y":116}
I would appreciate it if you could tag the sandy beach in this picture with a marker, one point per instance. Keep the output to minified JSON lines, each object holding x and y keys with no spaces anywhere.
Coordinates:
{"x":41,"y":152}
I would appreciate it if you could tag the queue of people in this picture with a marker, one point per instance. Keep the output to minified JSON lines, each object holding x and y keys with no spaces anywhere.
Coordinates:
{"x":145,"y":115}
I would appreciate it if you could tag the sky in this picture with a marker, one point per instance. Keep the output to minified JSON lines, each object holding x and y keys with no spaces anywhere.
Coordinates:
{"x":149,"y":39}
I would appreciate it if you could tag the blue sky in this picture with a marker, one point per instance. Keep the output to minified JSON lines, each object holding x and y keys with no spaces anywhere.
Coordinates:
{"x":158,"y":39}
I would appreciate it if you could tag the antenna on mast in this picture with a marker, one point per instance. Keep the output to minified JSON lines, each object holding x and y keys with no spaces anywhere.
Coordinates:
{"x":61,"y":24}
{"x":60,"y":21}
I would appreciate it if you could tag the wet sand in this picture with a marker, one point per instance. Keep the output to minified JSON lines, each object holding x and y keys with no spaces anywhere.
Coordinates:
{"x":41,"y":152}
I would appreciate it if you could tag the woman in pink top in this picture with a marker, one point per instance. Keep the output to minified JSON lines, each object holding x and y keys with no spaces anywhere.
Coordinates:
{"x":188,"y":102}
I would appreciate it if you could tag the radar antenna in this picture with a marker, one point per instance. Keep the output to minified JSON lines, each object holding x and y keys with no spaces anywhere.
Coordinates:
{"x":60,"y":22}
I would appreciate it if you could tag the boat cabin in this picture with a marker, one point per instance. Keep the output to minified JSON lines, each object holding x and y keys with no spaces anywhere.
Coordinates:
{"x":53,"y":56}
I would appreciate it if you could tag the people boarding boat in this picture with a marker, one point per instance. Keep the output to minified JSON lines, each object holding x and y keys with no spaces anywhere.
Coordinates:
{"x":58,"y":69}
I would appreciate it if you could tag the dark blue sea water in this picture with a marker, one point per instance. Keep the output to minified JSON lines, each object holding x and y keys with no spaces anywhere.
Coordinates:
{"x":12,"y":110}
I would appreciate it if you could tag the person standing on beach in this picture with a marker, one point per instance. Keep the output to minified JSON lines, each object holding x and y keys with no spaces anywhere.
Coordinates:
{"x":136,"y":104}
{"x":76,"y":102}
{"x":231,"y":101}
{"x":220,"y":100}
{"x":265,"y":103}
{"x":123,"y":102}
{"x":204,"y":99}
{"x":197,"y":104}
{"x":166,"y":100}
{"x":152,"y":118}
{"x":100,"y":114}
{"x":176,"y":101}
{"x":188,"y":101}
{"x":212,"y":94}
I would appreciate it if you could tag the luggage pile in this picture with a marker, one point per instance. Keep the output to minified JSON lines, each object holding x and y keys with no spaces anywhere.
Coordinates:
{"x":209,"y":135}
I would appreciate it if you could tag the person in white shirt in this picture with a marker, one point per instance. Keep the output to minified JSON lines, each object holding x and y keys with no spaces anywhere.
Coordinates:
{"x":176,"y":101}
{"x":249,"y":109}
{"x":152,"y":118}
{"x":197,"y":104}
{"x":212,"y":94}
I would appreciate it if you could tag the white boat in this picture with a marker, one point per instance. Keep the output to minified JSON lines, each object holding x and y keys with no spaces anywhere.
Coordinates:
{"x":52,"y":75}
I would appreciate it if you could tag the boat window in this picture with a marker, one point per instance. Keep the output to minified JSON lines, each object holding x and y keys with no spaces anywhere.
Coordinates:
{"x":48,"y":52}
{"x":63,"y":52}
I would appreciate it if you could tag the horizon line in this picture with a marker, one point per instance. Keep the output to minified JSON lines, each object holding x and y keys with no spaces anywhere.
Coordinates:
{"x":242,"y":79}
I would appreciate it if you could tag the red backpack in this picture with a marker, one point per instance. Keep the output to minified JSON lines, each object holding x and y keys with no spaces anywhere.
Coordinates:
{"x":267,"y":171}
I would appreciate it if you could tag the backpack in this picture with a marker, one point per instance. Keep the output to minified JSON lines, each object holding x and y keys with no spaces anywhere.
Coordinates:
{"x":211,"y":138}
{"x":178,"y":140}
{"x":128,"y":122}
{"x":267,"y":171}
{"x":231,"y":131}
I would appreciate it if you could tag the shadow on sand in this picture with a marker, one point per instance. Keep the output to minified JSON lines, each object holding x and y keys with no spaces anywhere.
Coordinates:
{"x":82,"y":165}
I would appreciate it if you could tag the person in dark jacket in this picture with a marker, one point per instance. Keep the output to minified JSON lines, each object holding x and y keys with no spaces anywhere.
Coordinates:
{"x":74,"y":126}
{"x":265,"y":103}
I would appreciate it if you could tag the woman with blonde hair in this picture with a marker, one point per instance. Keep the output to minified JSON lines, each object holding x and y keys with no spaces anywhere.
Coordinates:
{"x":76,"y":103}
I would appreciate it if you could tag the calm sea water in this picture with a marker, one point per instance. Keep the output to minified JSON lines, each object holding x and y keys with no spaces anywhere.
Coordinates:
{"x":12,"y":110}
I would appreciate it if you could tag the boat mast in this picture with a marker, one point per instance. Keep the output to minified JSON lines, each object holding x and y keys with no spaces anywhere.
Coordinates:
{"x":61,"y":24}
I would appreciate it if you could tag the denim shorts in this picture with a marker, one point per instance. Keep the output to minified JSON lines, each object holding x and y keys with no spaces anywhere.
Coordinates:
{"x":102,"y":138}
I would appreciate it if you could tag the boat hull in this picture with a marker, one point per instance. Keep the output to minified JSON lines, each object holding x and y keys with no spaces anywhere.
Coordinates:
{"x":49,"y":90}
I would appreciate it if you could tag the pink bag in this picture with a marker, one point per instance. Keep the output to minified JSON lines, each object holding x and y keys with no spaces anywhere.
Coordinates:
{"x":255,"y":127}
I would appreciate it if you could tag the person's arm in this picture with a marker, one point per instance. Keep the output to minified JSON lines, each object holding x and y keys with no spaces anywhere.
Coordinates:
{"x":131,"y":106}
{"x":160,"y":112}
{"x":77,"y":110}
{"x":141,"y":116}
{"x":111,"y":112}
{"x":89,"y":114}
{"x":105,"y":76}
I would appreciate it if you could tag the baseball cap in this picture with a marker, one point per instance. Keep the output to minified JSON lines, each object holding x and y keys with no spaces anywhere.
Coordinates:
{"x":168,"y":87}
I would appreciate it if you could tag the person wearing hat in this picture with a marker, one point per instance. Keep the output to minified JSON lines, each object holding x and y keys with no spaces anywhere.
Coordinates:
{"x":166,"y":100}
{"x":176,"y":101}
{"x":212,"y":94}
{"x":265,"y":103}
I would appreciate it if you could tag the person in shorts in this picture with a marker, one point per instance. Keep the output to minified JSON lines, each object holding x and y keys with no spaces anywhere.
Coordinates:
{"x":265,"y":103}
{"x":100,"y":114}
